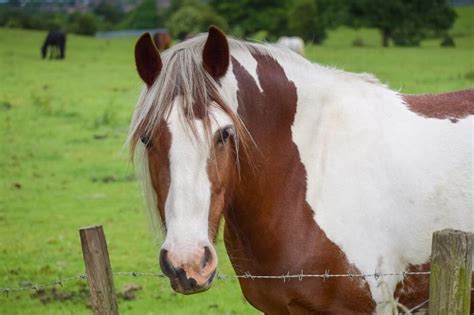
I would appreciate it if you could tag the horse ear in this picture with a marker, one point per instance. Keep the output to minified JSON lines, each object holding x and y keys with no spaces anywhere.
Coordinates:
{"x":147,"y":59}
{"x":216,"y":55}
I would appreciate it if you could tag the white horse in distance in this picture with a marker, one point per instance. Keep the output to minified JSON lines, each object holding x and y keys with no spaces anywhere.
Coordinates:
{"x":293,"y":43}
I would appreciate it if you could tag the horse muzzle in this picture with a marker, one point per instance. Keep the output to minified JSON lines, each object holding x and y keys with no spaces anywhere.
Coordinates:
{"x":193,"y":274}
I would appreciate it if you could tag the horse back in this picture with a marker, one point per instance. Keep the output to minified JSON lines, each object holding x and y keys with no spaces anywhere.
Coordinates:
{"x":56,"y":38}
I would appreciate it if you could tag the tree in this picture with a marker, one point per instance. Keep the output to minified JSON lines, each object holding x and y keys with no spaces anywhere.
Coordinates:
{"x":304,"y":20}
{"x":406,"y":22}
{"x":143,"y":16}
{"x":108,"y":12}
{"x":83,"y":23}
{"x":193,"y":17}
{"x":247,"y":17}
{"x":308,"y":19}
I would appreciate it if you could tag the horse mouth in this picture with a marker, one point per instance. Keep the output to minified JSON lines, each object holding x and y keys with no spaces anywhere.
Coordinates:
{"x":187,"y":286}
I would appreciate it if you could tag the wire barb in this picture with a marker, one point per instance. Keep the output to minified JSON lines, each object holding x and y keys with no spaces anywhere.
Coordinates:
{"x":376,"y":275}
{"x":248,"y":275}
{"x":300,"y":276}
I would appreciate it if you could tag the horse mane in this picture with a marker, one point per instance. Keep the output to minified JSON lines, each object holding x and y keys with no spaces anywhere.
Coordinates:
{"x":183,"y":75}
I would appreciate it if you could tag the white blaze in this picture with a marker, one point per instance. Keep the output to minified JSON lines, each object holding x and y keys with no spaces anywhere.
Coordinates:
{"x":188,"y":200}
{"x":189,"y":196}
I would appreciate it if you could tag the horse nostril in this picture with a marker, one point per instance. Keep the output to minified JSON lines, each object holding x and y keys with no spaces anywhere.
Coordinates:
{"x":192,"y":284}
{"x":165,"y":264}
{"x":206,"y":257}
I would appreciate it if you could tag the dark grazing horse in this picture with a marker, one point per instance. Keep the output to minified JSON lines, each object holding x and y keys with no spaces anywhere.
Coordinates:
{"x":314,"y":169}
{"x":56,"y":40}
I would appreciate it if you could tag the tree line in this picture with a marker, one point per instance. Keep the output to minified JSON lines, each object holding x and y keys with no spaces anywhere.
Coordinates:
{"x":402,"y":22}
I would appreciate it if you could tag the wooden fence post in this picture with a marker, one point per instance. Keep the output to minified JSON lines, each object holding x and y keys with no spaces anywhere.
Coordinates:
{"x":450,"y":278}
{"x":99,"y":273}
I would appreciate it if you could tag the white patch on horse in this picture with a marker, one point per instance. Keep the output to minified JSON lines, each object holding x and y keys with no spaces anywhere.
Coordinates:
{"x":229,"y":93}
{"x":246,"y":60}
{"x":188,"y":202}
{"x":379,"y":178}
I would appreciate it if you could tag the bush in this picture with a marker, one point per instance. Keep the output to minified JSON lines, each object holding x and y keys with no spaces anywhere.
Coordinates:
{"x":407,"y":35}
{"x":358,"y":42}
{"x":447,"y":41}
{"x":28,"y":18}
{"x":193,"y":19}
{"x":25,"y":18}
{"x":83,"y":23}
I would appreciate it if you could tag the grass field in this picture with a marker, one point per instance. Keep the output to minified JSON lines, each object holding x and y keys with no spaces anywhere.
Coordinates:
{"x":62,"y":163}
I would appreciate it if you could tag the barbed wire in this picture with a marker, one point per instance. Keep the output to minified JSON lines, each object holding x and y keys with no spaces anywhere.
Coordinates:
{"x":59,"y":282}
{"x":326,"y":275}
{"x":247,"y":275}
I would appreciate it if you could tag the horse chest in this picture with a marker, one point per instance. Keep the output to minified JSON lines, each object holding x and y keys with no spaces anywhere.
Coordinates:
{"x":307,"y":250}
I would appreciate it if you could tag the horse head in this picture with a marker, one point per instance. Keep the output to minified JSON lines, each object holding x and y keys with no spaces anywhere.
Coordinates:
{"x":189,"y":139}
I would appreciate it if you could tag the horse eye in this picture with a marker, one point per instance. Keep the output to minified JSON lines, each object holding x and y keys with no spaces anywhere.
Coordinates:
{"x":224,"y":134}
{"x":146,"y":141}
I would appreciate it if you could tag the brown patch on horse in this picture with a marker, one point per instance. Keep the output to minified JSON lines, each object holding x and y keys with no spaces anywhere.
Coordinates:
{"x":222,"y":172}
{"x":270,"y":230}
{"x":162,"y":40}
{"x":414,"y":289}
{"x":147,"y":59}
{"x":159,"y":165}
{"x":454,"y":105}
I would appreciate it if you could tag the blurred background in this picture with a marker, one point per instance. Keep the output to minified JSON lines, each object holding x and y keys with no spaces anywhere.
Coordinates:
{"x":401,"y":22}
{"x":64,"y":120}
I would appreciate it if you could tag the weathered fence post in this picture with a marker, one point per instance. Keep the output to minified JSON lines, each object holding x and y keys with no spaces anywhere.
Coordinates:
{"x":450,"y":278}
{"x":99,"y":273}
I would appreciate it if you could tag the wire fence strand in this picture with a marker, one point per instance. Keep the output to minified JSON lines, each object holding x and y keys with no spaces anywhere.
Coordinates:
{"x":59,"y":282}
{"x":247,"y":275}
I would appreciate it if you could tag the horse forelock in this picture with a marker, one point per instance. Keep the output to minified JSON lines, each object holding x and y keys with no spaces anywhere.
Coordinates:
{"x":183,"y":75}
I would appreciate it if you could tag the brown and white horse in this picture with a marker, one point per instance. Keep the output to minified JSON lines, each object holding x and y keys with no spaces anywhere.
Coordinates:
{"x":162,"y":40}
{"x":313,"y":169}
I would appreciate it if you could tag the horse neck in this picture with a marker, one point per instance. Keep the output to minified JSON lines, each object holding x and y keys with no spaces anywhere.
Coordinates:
{"x":272,"y":186}
{"x":272,"y":190}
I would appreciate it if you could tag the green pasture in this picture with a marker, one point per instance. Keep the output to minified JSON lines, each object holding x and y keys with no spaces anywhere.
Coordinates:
{"x":63,"y":166}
